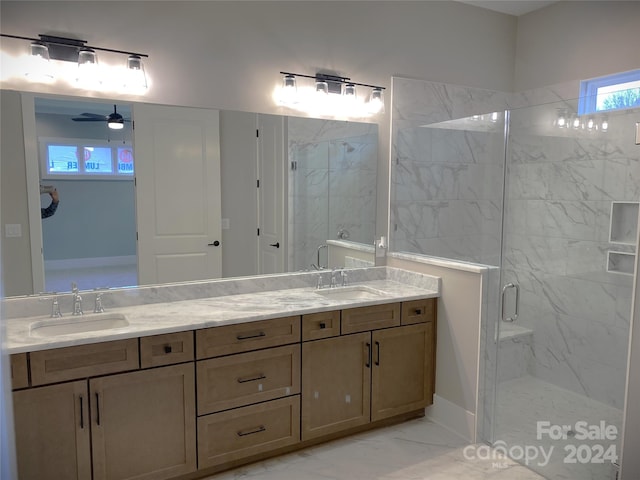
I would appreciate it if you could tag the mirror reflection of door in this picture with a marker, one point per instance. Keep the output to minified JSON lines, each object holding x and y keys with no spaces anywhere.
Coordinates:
{"x":91,"y":237}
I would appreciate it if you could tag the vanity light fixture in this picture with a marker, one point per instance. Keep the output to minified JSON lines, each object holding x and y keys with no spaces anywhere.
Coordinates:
{"x":567,"y":120}
{"x":329,"y":95}
{"x":88,"y":75}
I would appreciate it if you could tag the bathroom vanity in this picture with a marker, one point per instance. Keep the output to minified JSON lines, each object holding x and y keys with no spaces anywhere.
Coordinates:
{"x":167,"y":397}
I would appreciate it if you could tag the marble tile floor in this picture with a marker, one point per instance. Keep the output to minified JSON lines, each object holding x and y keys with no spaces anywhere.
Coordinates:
{"x":524,"y":401}
{"x":414,"y":450}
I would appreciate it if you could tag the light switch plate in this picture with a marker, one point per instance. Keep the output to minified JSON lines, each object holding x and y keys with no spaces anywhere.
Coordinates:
{"x":12,"y":230}
{"x":225,"y":224}
{"x":638,"y":133}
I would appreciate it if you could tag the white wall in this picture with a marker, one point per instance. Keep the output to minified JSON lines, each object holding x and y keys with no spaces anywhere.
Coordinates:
{"x":575,"y":40}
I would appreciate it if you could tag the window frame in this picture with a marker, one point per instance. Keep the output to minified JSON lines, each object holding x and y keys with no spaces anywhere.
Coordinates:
{"x":82,"y":174}
{"x":589,"y":90}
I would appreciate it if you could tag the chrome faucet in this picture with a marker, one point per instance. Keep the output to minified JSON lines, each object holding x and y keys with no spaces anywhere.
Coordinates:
{"x":97,"y":307}
{"x":317,"y":265}
{"x":55,"y":308}
{"x":77,"y":300}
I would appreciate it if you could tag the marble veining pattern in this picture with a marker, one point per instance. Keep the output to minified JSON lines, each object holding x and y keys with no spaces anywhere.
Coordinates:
{"x":178,"y":315}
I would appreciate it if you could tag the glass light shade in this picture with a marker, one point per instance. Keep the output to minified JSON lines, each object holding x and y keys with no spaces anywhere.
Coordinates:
{"x":135,"y":77}
{"x":350,"y":90}
{"x":322,"y":87}
{"x":289,"y":91}
{"x":561,"y":121}
{"x":376,"y":101}
{"x":576,"y":123}
{"x":38,"y":66}
{"x":88,"y":75}
{"x":604,"y":126}
{"x":289,"y":81}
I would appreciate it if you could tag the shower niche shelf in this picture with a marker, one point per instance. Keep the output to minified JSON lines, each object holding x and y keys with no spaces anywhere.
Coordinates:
{"x":620,"y":262}
{"x":623,"y":225}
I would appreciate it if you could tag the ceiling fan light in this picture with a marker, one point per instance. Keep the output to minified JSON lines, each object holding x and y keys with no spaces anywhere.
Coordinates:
{"x":115,"y":123}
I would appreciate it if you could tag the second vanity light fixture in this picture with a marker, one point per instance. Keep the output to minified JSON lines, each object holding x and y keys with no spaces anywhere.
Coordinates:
{"x":329,"y":95}
{"x":88,"y":75}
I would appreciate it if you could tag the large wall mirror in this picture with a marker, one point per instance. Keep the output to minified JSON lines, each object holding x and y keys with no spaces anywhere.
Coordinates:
{"x":274,"y":189}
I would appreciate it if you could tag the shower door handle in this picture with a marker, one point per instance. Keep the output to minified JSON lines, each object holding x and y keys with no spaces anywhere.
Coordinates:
{"x":517,"y":310}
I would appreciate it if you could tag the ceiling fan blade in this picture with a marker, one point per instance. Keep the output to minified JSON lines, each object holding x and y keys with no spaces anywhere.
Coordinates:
{"x":88,"y":119}
{"x":93,"y":115}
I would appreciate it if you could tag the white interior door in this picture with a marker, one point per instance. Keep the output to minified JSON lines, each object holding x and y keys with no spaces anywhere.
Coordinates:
{"x":272,"y":194}
{"x":177,"y":155}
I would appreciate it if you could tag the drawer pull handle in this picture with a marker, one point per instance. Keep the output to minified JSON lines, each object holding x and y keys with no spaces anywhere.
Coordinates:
{"x":418,"y":311}
{"x":323,"y":325}
{"x":247,"y":337}
{"x":167,"y":349}
{"x":81,"y":412}
{"x":261,"y":428}
{"x":378,"y":353}
{"x":261,"y":376}
{"x":97,"y":408}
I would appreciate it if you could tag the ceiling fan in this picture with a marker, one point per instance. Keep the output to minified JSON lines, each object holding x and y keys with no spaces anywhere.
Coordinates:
{"x":114,"y":120}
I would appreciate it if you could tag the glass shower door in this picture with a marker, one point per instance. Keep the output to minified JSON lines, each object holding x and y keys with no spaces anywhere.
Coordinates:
{"x":572,"y":187}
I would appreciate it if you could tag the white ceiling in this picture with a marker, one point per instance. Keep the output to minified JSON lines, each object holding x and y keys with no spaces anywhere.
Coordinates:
{"x":511,"y":7}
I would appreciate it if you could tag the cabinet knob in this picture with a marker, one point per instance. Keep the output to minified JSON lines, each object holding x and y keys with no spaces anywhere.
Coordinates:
{"x":323,"y":325}
{"x":167,"y":349}
{"x":418,"y":311}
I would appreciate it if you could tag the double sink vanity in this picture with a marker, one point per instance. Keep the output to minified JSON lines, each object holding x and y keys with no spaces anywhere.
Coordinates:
{"x":185,"y":380}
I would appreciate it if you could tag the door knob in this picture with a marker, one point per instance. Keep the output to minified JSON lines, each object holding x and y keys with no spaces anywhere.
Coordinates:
{"x":216,"y":243}
{"x":277,"y":244}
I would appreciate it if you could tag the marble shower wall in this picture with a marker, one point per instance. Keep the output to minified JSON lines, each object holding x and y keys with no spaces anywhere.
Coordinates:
{"x":446,"y":200}
{"x":561,"y":185}
{"x":332,"y":186}
{"x":447,"y":170}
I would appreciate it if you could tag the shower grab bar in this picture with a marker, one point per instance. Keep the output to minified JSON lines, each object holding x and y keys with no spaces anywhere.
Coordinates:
{"x":517,"y":312}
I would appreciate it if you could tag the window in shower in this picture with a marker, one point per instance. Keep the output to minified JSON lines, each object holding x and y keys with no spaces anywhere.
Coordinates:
{"x":613,"y":92}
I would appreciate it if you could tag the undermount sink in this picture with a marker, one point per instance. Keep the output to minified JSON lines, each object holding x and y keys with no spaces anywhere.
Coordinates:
{"x":353,"y":292}
{"x":77,"y":324}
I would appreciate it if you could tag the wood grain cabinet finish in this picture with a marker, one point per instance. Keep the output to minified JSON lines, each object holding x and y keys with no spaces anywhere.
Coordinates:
{"x":243,"y":432}
{"x":419,"y":311}
{"x":166,"y":349}
{"x":336,"y":376}
{"x":363,"y":319}
{"x":143,"y":424}
{"x":71,"y":363}
{"x":19,"y":371}
{"x":244,"y":337}
{"x":402,"y":370}
{"x":245,"y":378}
{"x":316,"y":326}
{"x":53,"y":432}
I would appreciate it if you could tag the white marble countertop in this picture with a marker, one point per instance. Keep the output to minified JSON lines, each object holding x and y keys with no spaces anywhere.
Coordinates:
{"x":176,"y":316}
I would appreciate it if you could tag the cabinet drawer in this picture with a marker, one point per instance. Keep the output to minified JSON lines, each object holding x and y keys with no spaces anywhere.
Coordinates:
{"x":60,"y":364}
{"x":419,"y":311}
{"x":243,"y":337}
{"x":19,"y":371}
{"x":166,"y":349}
{"x":246,"y":378}
{"x":320,"y":325}
{"x":243,"y":432}
{"x":362,"y":319}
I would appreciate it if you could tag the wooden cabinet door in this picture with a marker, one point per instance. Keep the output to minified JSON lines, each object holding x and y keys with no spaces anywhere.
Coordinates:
{"x":402,"y":370}
{"x":143,"y":424}
{"x":52,"y":432}
{"x":336,"y":378}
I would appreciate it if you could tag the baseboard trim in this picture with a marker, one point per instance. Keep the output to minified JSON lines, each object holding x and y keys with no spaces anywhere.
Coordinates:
{"x":453,"y":417}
